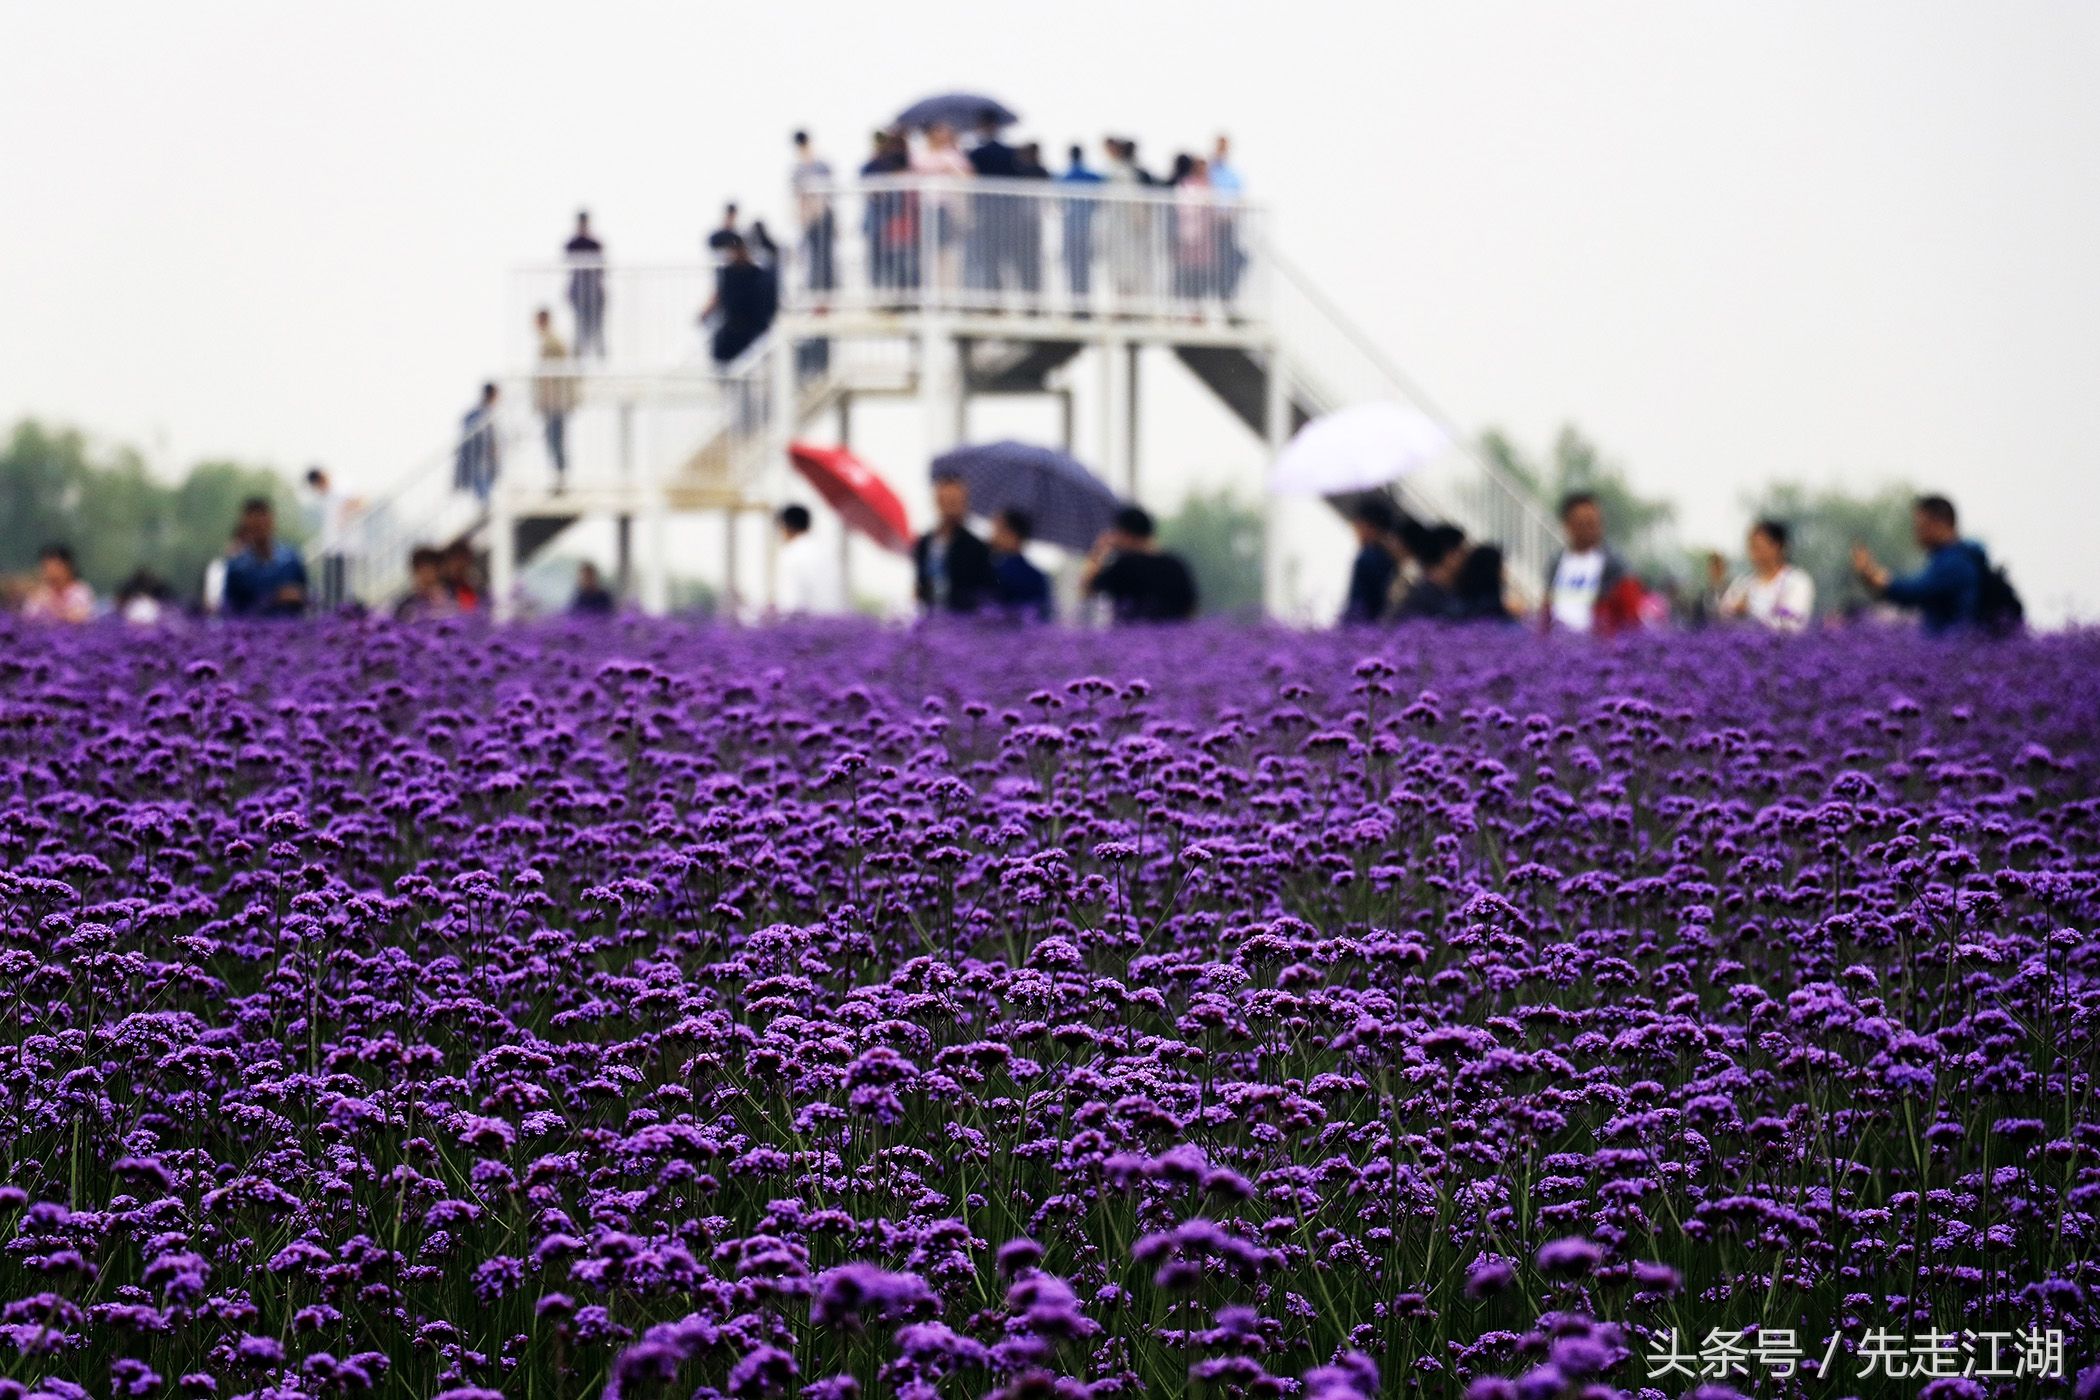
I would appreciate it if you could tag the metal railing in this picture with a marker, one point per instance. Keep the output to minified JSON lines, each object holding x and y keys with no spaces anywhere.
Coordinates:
{"x":1329,"y":363}
{"x":1037,"y":247}
{"x":916,"y":244}
{"x":707,"y":428}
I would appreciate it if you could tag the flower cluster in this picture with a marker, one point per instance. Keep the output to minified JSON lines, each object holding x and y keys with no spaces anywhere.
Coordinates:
{"x":827,"y":1011}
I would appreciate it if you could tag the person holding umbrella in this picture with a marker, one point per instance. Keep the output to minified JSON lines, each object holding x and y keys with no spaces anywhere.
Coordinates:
{"x":1142,"y":582}
{"x":1377,"y":565}
{"x":953,"y":567}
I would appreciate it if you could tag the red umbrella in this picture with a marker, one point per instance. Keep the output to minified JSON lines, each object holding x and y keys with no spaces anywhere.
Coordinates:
{"x":851,"y":487}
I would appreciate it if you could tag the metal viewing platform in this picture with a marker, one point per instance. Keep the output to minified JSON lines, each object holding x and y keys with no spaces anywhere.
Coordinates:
{"x":933,"y":290}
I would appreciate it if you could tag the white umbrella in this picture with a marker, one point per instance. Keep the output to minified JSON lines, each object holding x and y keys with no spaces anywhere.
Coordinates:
{"x":1357,"y":449}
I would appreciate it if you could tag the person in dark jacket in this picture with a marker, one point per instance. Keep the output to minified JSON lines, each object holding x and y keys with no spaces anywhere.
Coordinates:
{"x":1377,"y":560}
{"x":746,"y":297}
{"x":1022,"y":589}
{"x":1481,"y":589}
{"x":1434,"y":596}
{"x":1143,"y":582}
{"x":586,"y":257}
{"x":994,"y":219}
{"x":953,"y":566}
{"x":1947,"y":592}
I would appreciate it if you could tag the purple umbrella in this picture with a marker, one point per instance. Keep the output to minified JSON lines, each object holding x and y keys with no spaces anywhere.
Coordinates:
{"x":965,"y":111}
{"x":1067,"y":504}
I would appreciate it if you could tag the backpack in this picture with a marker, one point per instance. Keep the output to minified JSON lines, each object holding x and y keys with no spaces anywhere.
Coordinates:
{"x":1999,"y":610}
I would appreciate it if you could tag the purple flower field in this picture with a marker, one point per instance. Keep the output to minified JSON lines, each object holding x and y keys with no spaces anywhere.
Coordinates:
{"x":825,"y":1012}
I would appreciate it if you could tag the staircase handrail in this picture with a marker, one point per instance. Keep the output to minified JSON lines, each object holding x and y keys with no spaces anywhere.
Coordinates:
{"x":1338,"y":320}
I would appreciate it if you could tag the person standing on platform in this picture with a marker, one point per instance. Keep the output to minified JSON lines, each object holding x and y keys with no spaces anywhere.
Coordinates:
{"x":1228,"y":186}
{"x":952,"y":566}
{"x":480,"y":457}
{"x":942,"y":159}
{"x":989,"y":250}
{"x":725,"y":233}
{"x":810,"y":179}
{"x":890,"y":218}
{"x":555,"y":392}
{"x":586,"y":257}
{"x":746,"y":298}
{"x":1080,"y":206}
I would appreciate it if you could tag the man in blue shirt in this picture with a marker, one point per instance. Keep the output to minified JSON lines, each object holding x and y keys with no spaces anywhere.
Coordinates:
{"x":1947,"y":590}
{"x":1079,"y":227}
{"x":266,"y":578}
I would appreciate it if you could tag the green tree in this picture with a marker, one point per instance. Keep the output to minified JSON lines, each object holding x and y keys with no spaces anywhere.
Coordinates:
{"x":1640,"y":526}
{"x":55,"y":489}
{"x":1823,"y":523}
{"x":41,"y":474}
{"x":1220,"y":537}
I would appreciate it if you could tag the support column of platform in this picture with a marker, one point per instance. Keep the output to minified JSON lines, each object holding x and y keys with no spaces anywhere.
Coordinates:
{"x":656,"y":577}
{"x":503,"y":556}
{"x":1276,"y":422}
{"x":845,"y":535}
{"x":1115,"y":412}
{"x":732,"y":597}
{"x":772,"y":475}
{"x":940,"y":386}
{"x":1131,"y":400}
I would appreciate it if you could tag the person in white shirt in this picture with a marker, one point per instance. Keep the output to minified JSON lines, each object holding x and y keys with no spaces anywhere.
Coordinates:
{"x":1775,"y":593}
{"x":809,"y":178}
{"x":328,"y":516}
{"x":1583,"y":580}
{"x":807,"y":578}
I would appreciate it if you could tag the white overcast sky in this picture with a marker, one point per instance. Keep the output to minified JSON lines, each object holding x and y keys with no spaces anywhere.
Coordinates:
{"x":1817,"y":240}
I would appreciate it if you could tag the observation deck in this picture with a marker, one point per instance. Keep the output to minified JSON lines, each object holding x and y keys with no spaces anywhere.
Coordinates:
{"x":938,"y":291}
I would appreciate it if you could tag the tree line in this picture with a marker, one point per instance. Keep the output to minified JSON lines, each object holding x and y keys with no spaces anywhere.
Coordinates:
{"x":58,"y":486}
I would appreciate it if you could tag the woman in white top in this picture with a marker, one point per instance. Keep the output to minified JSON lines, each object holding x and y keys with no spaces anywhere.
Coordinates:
{"x":942,"y":158}
{"x":1774,"y":593}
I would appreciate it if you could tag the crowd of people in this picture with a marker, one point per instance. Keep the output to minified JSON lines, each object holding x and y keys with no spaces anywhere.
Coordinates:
{"x":1187,"y":244}
{"x":1406,"y":570}
{"x":1126,"y":573}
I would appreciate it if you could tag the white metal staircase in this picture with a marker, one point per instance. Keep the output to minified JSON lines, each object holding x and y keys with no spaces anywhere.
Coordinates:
{"x":934,"y":289}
